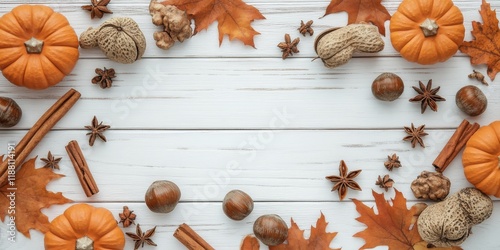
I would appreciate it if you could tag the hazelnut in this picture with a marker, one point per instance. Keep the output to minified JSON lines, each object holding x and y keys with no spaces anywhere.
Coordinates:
{"x":10,"y":112}
{"x":471,"y":100}
{"x":162,"y":196}
{"x":237,"y":205}
{"x":387,"y":87}
{"x":270,"y":229}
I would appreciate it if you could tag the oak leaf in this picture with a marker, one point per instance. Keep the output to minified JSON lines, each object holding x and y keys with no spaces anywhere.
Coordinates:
{"x":318,"y":240}
{"x":368,"y":11}
{"x":485,"y":49}
{"x":30,"y":196}
{"x":250,"y":243}
{"x":391,"y":226}
{"x":233,"y":17}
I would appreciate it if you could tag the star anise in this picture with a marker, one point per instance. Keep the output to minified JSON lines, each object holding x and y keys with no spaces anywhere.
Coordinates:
{"x":97,"y":131}
{"x":385,"y":182}
{"x":51,"y":162}
{"x":288,"y":47}
{"x":415,"y":135}
{"x":127,"y":217}
{"x":104,"y":77}
{"x":306,"y":28}
{"x":97,"y":8}
{"x":140,"y":238}
{"x":345,"y":180}
{"x":392,"y":162}
{"x":427,"y":96}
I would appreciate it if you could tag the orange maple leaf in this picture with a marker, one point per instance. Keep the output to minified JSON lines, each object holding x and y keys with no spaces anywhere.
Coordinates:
{"x":233,"y":17}
{"x":318,"y":240}
{"x":28,"y":196}
{"x":486,"y":48}
{"x":392,"y":226}
{"x":250,"y":243}
{"x":369,"y":11}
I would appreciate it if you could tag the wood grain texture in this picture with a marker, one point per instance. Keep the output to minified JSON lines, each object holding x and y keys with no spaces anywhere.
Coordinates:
{"x":215,"y":118}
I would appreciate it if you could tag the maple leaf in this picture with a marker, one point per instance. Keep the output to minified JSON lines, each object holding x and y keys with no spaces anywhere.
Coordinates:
{"x":233,"y":17}
{"x":369,"y":11}
{"x":392,"y":226}
{"x":250,"y":243}
{"x":30,"y":197}
{"x":485,"y":49}
{"x":319,"y":238}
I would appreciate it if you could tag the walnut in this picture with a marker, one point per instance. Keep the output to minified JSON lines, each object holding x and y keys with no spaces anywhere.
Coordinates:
{"x":120,"y":38}
{"x":431,"y":185}
{"x":177,"y":25}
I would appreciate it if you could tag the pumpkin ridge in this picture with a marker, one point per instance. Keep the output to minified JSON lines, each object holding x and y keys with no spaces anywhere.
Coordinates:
{"x":53,"y":64}
{"x":47,"y":20}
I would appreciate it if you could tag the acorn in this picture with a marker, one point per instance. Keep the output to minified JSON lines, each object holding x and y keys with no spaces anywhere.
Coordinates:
{"x":270,"y":229}
{"x":10,"y":112}
{"x":162,"y":196}
{"x":237,"y":204}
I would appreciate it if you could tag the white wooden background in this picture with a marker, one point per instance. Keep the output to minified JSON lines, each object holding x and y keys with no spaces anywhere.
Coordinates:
{"x":188,"y":113}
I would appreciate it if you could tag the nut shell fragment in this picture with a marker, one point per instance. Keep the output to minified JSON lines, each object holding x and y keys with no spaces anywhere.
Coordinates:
{"x":120,"y":38}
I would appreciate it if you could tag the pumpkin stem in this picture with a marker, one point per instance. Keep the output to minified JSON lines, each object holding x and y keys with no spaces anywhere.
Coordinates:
{"x":84,"y":243}
{"x":429,"y":27}
{"x":33,"y":46}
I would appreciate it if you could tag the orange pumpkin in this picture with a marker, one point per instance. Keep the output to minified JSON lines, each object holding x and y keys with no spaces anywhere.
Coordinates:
{"x":38,"y":47}
{"x":427,"y":31}
{"x":81,"y":225}
{"x":481,"y":159}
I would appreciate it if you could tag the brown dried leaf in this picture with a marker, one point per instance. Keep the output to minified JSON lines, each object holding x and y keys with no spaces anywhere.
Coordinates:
{"x":392,"y":226}
{"x":233,"y":17}
{"x":250,"y":243}
{"x":30,"y":197}
{"x":319,"y":239}
{"x":369,"y":11}
{"x":485,"y":48}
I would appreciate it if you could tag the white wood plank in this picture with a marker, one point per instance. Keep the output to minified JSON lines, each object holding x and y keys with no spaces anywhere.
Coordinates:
{"x":223,"y":233}
{"x":269,"y":165}
{"x":281,"y":17}
{"x":246,"y":94}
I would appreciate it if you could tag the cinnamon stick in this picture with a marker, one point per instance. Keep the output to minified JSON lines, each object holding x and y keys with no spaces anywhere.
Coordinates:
{"x":457,"y":141}
{"x":44,"y":124}
{"x":81,"y":168}
{"x":189,"y":238}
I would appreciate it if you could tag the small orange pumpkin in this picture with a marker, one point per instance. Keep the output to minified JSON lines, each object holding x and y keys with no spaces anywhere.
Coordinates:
{"x":481,"y":159}
{"x":427,"y":31}
{"x":82,"y":226}
{"x":38,"y":47}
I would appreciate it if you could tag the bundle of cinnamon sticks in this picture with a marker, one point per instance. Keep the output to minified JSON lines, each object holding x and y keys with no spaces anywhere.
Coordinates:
{"x":457,"y":141}
{"x":39,"y":130}
{"x":82,"y":168}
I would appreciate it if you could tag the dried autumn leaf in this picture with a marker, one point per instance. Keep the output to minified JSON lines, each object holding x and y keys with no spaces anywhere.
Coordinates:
{"x":392,"y":225}
{"x":30,"y":197}
{"x":250,"y":243}
{"x":369,"y":11}
{"x":319,"y":238}
{"x":233,"y":17}
{"x":485,"y":49}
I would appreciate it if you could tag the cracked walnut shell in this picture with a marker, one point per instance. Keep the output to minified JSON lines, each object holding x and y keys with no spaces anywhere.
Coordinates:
{"x":431,"y":185}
